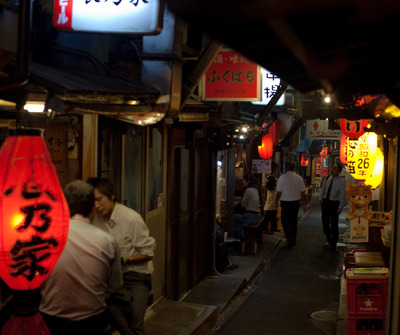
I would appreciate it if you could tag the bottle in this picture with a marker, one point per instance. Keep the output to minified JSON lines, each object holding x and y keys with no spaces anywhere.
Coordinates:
{"x":363,"y":289}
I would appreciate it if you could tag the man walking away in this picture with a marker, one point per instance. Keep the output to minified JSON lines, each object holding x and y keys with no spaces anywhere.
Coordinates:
{"x":289,"y":190}
{"x":332,"y":199}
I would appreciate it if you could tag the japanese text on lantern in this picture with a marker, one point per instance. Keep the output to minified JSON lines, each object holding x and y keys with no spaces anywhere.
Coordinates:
{"x":361,"y":156}
{"x":34,"y":214}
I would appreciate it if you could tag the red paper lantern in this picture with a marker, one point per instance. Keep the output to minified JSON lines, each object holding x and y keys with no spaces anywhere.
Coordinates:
{"x":353,"y":128}
{"x":266,"y":149}
{"x":274,"y":130}
{"x":324,"y":152}
{"x":343,"y":149}
{"x":304,"y":160}
{"x":34,"y":215}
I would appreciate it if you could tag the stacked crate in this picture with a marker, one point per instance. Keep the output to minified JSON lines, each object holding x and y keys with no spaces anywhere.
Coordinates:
{"x":366,"y":301}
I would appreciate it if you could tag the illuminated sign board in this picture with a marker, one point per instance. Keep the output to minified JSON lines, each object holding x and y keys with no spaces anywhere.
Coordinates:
{"x":109,"y":16}
{"x":270,"y":84}
{"x":231,"y":77}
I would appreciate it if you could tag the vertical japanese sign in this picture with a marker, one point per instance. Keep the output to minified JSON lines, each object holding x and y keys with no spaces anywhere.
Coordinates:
{"x":111,"y":16}
{"x":361,"y":156}
{"x":231,"y":77}
{"x":318,"y":166}
{"x":269,"y":84}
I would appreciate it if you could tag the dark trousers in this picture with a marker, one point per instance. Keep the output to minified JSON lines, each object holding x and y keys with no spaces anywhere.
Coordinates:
{"x":330,"y":219}
{"x":140,"y":286}
{"x":94,"y":325}
{"x":270,"y":216}
{"x":290,"y":211}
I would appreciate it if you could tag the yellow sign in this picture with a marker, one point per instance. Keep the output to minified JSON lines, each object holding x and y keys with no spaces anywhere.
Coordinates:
{"x":361,"y":156}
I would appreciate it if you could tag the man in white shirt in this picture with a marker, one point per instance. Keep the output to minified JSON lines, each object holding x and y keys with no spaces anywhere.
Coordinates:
{"x":136,"y":245}
{"x":73,"y":297}
{"x":332,"y":199}
{"x":289,"y":191}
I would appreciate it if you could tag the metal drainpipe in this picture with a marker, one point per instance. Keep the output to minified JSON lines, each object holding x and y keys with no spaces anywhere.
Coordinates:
{"x":393,"y":309}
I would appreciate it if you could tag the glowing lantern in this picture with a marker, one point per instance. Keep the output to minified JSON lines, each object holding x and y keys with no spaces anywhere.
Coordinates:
{"x":353,"y":128}
{"x":34,"y":215}
{"x":376,"y":178}
{"x":343,"y":149}
{"x":324,"y":152}
{"x":266,"y":149}
{"x":304,"y":160}
{"x":274,"y":130}
{"x":361,"y":156}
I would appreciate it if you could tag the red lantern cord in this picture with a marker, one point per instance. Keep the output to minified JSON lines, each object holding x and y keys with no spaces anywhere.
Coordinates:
{"x":34,"y":215}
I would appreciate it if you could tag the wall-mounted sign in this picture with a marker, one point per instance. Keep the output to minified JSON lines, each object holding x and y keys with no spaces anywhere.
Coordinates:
{"x":269,"y":85}
{"x":231,"y":77}
{"x":318,"y":166}
{"x":109,"y":16}
{"x":320,"y":129}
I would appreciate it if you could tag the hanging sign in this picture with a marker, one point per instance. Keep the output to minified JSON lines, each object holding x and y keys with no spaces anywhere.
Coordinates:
{"x":270,"y":84}
{"x":318,"y":166}
{"x":361,"y":156}
{"x":109,"y":16}
{"x":231,"y":77}
{"x":319,"y":129}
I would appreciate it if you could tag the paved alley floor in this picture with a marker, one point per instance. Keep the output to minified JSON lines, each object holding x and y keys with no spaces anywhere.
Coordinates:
{"x":300,"y":292}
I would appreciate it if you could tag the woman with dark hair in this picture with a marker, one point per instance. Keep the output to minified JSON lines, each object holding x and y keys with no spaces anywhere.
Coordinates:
{"x":251,"y":204}
{"x":136,"y":246}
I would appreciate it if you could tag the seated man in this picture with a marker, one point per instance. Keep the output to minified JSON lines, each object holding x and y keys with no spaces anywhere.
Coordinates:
{"x":73,"y":297}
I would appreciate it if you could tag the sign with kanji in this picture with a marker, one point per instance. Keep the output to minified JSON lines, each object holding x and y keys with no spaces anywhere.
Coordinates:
{"x":109,"y":16}
{"x":231,"y":77}
{"x":318,"y":166}
{"x":270,"y":84}
{"x":361,"y":156}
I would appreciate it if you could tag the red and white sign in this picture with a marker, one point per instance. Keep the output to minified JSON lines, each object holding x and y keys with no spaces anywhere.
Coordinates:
{"x":318,"y":166}
{"x":231,"y":77}
{"x":319,"y":129}
{"x":109,"y":16}
{"x":270,"y":84}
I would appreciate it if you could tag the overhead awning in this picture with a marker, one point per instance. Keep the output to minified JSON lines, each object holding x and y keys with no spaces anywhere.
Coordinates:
{"x":92,"y":91}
